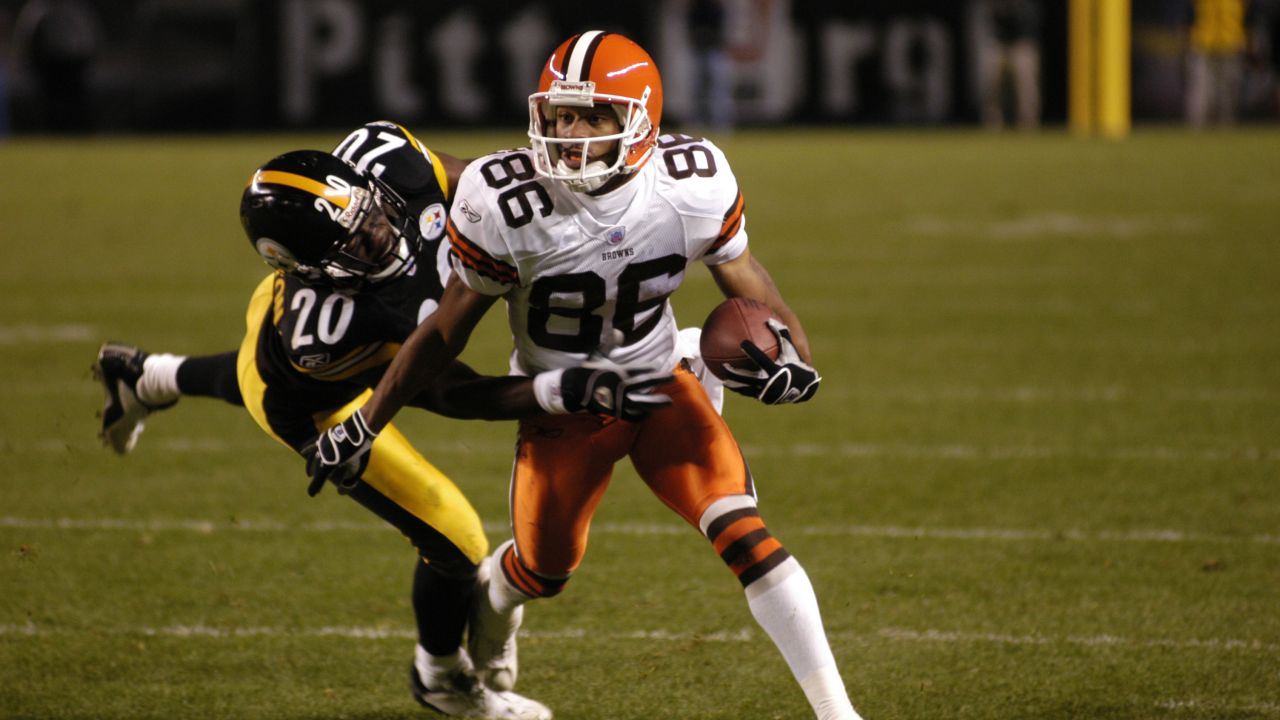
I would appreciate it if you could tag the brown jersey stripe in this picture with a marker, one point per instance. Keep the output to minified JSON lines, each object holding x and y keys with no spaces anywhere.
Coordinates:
{"x":734,"y":211}
{"x":732,"y":222}
{"x":477,"y":259}
{"x":483,"y":269}
{"x":757,"y":571}
{"x":460,"y":243}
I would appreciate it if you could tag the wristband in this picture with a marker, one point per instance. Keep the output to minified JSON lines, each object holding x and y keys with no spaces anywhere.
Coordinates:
{"x":546,"y":390}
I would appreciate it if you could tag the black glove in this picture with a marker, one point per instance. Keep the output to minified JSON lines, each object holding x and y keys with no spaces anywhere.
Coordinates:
{"x":340,"y":454}
{"x":785,"y":380}
{"x":607,"y":388}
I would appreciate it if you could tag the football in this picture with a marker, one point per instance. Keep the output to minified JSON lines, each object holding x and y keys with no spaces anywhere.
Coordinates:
{"x":733,"y":321}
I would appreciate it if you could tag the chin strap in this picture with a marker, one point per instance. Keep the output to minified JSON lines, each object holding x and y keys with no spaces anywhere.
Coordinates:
{"x":590,"y":184}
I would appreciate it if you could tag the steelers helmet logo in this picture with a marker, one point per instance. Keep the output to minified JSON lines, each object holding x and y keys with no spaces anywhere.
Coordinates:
{"x":276,"y":255}
{"x":431,"y":221}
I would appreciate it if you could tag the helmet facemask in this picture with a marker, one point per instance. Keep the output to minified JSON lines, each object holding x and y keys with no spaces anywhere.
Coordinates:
{"x":634,"y":141}
{"x":348,"y":265}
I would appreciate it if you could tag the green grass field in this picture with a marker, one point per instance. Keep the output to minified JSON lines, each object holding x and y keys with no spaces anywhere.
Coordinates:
{"x":1041,"y":480}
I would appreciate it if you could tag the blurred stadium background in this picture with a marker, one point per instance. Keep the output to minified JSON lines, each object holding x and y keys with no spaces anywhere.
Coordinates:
{"x":1042,"y":479}
{"x":138,"y":65}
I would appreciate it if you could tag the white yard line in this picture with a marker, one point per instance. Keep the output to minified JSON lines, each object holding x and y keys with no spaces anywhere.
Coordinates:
{"x":1218,"y":706}
{"x":252,"y":525}
{"x":848,"y":450}
{"x":741,"y":635}
{"x":969,"y":638}
{"x":963,"y":451}
{"x":1034,"y":394}
{"x":1043,"y":226}
{"x":37,"y":334}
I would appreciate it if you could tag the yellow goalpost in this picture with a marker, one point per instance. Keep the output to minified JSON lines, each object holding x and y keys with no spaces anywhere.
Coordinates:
{"x":1098,"y":83}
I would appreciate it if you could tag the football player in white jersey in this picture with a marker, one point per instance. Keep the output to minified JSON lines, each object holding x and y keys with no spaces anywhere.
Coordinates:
{"x":585,"y":235}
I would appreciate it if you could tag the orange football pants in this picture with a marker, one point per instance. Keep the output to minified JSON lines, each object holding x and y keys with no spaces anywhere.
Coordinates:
{"x":684,"y":452}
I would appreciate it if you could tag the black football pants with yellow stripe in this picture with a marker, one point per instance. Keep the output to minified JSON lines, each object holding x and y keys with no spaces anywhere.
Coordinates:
{"x":399,"y":486}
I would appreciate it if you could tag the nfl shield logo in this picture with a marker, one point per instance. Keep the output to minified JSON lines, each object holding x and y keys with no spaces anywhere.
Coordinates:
{"x":615,"y":235}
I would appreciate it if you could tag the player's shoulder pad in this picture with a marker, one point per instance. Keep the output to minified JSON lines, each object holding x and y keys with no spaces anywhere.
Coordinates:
{"x":486,"y":177}
{"x":477,"y":233}
{"x":388,"y":151}
{"x":477,"y":210}
{"x":699,"y":172}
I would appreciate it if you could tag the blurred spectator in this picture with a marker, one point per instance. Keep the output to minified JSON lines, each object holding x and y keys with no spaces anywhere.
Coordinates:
{"x":1216,"y":41}
{"x":6,"y":74}
{"x":723,"y":34}
{"x":1265,"y":50}
{"x":1009,"y":62}
{"x":57,"y":40}
{"x":714,"y":77}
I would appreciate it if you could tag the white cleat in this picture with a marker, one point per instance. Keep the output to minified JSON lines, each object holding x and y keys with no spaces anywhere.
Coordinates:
{"x":518,"y":707}
{"x":118,"y":368}
{"x":491,"y":638}
{"x":460,"y":694}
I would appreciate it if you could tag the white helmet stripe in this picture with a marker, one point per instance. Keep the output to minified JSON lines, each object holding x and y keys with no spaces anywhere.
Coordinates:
{"x":578,"y":64}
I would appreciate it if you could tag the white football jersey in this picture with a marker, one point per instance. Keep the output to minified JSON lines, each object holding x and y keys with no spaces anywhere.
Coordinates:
{"x":590,"y":276}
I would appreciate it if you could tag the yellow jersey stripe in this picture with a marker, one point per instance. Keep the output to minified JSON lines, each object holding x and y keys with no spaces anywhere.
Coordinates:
{"x":442,"y":178}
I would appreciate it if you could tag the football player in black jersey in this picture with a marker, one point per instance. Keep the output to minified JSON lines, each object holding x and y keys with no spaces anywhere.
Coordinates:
{"x":355,"y":241}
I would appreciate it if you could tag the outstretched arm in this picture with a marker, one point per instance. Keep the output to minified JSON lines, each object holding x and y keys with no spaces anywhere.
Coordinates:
{"x":341,"y":453}
{"x":463,"y":394}
{"x":430,"y":349}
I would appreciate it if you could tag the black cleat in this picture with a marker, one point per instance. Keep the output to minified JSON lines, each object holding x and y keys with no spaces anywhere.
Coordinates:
{"x":118,"y":368}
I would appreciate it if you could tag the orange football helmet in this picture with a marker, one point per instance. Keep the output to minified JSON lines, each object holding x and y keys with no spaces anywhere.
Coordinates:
{"x":588,"y":69}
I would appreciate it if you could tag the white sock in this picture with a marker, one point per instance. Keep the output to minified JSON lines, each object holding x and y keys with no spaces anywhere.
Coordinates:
{"x":826,"y":694}
{"x":503,"y":596}
{"x":159,"y":382}
{"x":430,"y":666}
{"x":784,"y":604}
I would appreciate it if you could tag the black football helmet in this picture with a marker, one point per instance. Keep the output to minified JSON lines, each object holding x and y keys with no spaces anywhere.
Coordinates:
{"x":305,"y":212}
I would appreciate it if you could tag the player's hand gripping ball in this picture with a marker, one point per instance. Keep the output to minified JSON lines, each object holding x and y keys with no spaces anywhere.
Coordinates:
{"x":751,"y":351}
{"x":733,"y":321}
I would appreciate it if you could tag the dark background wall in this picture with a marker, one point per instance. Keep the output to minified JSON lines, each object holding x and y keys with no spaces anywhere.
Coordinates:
{"x":252,"y":65}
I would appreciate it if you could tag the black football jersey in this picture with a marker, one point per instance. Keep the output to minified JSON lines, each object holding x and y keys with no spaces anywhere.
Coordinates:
{"x":324,"y":346}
